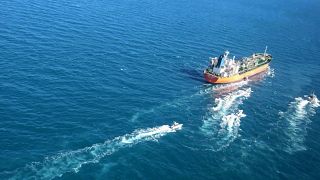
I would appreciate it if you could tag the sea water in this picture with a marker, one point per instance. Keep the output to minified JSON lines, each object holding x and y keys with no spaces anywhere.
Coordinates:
{"x":88,"y":90}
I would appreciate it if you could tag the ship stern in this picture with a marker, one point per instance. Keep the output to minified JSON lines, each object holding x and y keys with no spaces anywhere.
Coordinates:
{"x":210,"y":77}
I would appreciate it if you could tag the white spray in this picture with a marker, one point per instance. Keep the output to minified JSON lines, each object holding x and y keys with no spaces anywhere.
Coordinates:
{"x":72,"y":161}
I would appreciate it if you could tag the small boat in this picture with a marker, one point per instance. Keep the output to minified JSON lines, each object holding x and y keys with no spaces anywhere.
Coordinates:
{"x":225,"y":70}
{"x":312,"y":98}
{"x":176,"y":126}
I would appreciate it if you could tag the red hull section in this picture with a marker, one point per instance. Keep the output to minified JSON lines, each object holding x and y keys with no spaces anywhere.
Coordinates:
{"x":210,"y":78}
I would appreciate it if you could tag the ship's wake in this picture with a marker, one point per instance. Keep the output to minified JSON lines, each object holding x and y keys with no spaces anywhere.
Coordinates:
{"x":224,"y":89}
{"x":222,"y":122}
{"x":297,"y":120}
{"x":72,"y":161}
{"x":176,"y":103}
{"x":270,"y":72}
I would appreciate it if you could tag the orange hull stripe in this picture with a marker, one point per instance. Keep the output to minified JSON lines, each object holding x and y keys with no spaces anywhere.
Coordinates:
{"x":239,"y":77}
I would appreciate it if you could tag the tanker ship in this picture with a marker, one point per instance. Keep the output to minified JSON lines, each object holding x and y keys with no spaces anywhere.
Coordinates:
{"x":226,"y":70}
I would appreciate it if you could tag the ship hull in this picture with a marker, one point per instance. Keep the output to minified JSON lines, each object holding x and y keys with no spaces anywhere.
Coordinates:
{"x":236,"y":78}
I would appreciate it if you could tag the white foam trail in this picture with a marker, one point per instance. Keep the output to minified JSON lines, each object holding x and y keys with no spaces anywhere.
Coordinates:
{"x":223,"y":104}
{"x":72,"y":161}
{"x":297,"y":118}
{"x":222,"y":122}
{"x":315,"y":103}
{"x":232,"y":121}
{"x":271,"y":72}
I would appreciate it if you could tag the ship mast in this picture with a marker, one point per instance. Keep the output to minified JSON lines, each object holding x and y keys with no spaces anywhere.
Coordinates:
{"x":265,"y":51}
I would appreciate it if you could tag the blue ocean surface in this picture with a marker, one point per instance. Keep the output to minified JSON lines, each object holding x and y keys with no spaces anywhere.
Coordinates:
{"x":89,"y":89}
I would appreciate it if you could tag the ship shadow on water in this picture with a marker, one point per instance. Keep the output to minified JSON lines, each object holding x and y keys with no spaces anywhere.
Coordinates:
{"x":193,"y":74}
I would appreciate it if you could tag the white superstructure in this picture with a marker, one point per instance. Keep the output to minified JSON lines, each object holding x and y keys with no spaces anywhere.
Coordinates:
{"x":223,"y":66}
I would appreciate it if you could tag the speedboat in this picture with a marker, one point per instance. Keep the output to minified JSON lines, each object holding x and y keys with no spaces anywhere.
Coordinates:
{"x":176,"y":126}
{"x":312,"y":98}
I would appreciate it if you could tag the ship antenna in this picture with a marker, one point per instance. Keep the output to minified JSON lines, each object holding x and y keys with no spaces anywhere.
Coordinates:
{"x":265,"y":51}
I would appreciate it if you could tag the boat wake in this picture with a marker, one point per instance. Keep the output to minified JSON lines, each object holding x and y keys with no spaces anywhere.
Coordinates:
{"x":223,"y":89}
{"x":231,"y":122}
{"x":222,"y":122}
{"x":297,"y":119}
{"x":72,"y":161}
{"x":176,"y":103}
{"x":231,"y":100}
{"x":271,"y":72}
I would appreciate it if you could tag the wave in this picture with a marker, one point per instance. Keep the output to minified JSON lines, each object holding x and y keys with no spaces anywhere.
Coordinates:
{"x":297,"y":119}
{"x":72,"y":161}
{"x":222,"y":122}
{"x":222,"y":89}
{"x":232,"y":121}
{"x":225,"y":103}
{"x":271,"y":72}
{"x":175,"y":103}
